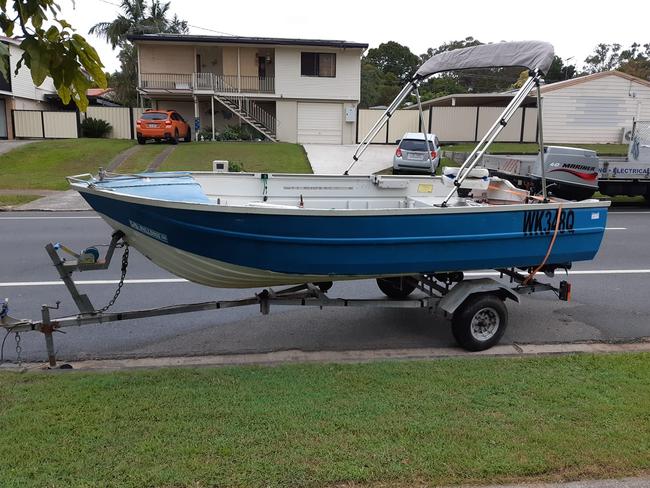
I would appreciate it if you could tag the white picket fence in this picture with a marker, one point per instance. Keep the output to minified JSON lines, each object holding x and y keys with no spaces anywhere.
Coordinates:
{"x":55,"y":124}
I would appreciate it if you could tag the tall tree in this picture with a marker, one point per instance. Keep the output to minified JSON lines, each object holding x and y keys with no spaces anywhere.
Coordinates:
{"x":558,"y":71}
{"x":604,"y":58}
{"x":50,"y":48}
{"x":634,"y":60}
{"x":137,"y":17}
{"x":392,"y":57}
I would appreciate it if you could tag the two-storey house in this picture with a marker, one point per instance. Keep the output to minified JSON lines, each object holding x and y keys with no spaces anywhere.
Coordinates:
{"x":293,"y":90}
{"x":17,"y":91}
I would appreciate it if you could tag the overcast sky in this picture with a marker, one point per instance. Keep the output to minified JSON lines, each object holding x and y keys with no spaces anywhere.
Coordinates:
{"x":573,"y":27}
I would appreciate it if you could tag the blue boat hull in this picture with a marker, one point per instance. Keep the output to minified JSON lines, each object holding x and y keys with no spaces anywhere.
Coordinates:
{"x":363,"y":245}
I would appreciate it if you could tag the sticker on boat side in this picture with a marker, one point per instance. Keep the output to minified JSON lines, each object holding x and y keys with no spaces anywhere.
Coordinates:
{"x":542,"y":222}
{"x":147,"y":231}
{"x":423,"y":188}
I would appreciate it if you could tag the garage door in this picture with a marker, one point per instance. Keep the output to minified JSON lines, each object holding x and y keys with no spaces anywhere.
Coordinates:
{"x":320,"y":123}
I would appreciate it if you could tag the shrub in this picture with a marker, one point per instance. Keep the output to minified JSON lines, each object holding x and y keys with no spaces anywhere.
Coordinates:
{"x":235,"y":167}
{"x":206,"y":134}
{"x":91,"y":127}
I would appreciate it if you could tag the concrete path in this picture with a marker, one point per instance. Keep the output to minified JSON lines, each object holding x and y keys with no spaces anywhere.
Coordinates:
{"x":160,"y":158}
{"x":6,"y":146}
{"x":334,"y":159}
{"x":68,"y":200}
{"x":123,"y":156}
{"x":341,"y":357}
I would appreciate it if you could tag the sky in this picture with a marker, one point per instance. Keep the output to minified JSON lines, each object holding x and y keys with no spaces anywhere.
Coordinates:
{"x":573,"y":27}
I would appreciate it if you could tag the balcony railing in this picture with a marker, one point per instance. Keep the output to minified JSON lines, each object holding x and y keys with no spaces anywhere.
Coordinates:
{"x":245,"y":84}
{"x":166,"y":81}
{"x":208,"y":82}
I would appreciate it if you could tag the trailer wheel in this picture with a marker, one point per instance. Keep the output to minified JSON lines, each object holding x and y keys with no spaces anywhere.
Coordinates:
{"x":398,"y":287}
{"x":479,"y":323}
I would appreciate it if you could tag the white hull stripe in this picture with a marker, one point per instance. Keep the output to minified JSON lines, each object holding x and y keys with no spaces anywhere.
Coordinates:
{"x":146,"y":281}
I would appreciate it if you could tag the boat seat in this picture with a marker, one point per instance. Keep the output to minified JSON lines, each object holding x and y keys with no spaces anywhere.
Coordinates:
{"x":478,"y":178}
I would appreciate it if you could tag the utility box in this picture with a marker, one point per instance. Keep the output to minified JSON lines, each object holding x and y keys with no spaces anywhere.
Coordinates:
{"x":350,"y":114}
{"x":219,"y":166}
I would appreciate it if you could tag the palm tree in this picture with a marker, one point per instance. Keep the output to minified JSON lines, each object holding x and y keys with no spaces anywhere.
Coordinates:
{"x":138,"y":17}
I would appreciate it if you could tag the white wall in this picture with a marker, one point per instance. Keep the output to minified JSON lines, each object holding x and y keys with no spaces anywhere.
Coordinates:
{"x":290,"y":84}
{"x":594,"y":111}
{"x":21,"y":83}
{"x":286,"y":112}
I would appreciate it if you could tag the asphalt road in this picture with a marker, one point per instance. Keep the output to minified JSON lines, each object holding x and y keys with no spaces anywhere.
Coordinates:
{"x":610,"y":301}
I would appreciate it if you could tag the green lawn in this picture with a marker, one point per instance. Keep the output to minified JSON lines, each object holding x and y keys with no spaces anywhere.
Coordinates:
{"x":45,"y":164}
{"x":254,"y":157}
{"x":531,"y":148}
{"x":476,"y":420}
{"x":142,"y":158}
{"x":11,"y":200}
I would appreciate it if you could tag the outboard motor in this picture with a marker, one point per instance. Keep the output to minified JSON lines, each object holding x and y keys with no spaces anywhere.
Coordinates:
{"x":571,"y":173}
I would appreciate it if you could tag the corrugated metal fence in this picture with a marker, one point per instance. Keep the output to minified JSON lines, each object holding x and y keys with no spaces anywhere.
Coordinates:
{"x":52,"y":124}
{"x":451,"y":124}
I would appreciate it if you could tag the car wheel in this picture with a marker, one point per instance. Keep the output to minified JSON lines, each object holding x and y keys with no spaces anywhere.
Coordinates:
{"x":141,"y":140}
{"x":479,"y":323}
{"x":399,"y":287}
{"x":174,"y":139}
{"x":396,"y":171}
{"x":188,"y":136}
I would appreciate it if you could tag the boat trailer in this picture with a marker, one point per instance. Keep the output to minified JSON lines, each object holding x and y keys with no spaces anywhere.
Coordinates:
{"x":479,"y":317}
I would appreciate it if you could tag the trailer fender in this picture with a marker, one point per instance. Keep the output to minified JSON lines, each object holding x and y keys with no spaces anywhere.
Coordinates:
{"x":459,"y":293}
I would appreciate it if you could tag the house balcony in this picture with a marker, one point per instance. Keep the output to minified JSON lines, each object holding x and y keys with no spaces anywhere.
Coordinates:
{"x":208,"y":83}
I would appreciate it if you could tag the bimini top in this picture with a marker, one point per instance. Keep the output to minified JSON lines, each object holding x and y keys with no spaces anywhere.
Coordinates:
{"x":534,"y":55}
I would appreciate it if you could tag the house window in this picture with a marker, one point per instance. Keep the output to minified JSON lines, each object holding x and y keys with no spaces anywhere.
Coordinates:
{"x":318,"y":64}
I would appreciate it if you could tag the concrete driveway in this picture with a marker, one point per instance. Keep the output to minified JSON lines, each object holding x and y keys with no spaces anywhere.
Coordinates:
{"x":6,"y":146}
{"x":335,"y":158}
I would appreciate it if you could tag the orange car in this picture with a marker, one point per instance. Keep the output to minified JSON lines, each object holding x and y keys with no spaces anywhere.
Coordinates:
{"x":162,"y":125}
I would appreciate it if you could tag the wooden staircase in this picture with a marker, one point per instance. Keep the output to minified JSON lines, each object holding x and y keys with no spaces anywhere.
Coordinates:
{"x":250,"y":112}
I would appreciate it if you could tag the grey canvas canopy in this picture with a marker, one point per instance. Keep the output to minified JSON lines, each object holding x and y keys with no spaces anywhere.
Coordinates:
{"x":534,"y":55}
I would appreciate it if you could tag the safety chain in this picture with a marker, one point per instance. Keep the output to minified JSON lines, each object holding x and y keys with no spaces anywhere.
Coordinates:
{"x":19,"y":350}
{"x":125,"y":263}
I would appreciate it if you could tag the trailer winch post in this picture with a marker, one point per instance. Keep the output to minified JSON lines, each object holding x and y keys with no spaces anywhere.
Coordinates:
{"x":47,"y":329}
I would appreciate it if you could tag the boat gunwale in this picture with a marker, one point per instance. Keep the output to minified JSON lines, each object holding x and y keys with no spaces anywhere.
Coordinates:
{"x":339,"y":212}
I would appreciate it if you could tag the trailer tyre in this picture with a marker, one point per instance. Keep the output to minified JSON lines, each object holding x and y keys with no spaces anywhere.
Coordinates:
{"x":479,"y":323}
{"x":399,"y":287}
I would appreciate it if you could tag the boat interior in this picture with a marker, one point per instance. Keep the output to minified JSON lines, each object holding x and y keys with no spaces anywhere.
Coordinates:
{"x":324,"y":192}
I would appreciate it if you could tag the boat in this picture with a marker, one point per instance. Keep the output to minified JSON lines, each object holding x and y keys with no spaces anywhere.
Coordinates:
{"x":243,"y":230}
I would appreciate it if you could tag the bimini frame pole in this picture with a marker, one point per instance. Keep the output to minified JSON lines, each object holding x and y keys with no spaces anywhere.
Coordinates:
{"x":540,"y":134}
{"x":480,"y":149}
{"x":424,"y":129}
{"x":406,"y":91}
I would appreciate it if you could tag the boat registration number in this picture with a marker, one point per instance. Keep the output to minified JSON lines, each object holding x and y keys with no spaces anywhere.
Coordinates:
{"x":543,"y":222}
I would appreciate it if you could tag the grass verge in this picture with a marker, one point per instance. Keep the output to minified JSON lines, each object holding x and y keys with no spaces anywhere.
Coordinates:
{"x":44,"y":165}
{"x":391,"y":423}
{"x":622,"y":199}
{"x":532,"y":148}
{"x":252,"y":156}
{"x":142,"y":158}
{"x":12,"y":200}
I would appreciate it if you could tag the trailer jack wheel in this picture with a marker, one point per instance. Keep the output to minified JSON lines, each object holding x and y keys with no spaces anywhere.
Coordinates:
{"x":479,"y":323}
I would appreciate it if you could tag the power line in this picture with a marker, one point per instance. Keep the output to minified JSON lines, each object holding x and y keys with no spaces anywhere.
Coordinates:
{"x":108,"y":2}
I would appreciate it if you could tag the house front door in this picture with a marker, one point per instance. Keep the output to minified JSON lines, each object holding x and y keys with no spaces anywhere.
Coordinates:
{"x":261,"y":70}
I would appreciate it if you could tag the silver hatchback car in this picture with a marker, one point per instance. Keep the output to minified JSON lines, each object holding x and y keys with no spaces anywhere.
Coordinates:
{"x":412,"y":154}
